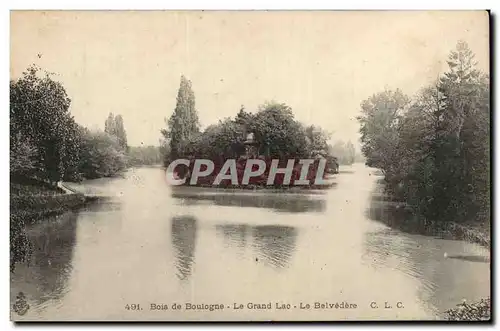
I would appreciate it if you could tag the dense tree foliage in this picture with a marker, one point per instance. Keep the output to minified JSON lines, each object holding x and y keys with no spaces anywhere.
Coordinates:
{"x":42,"y":130}
{"x":145,"y":155}
{"x":23,"y":156}
{"x":345,"y":152}
{"x":317,"y":140}
{"x":275,"y":129}
{"x":101,"y":155}
{"x":114,"y":127}
{"x":109,"y":125}
{"x":183,"y":125}
{"x":121,"y":134}
{"x":276,"y":135}
{"x":435,"y":147}
{"x":278,"y":132}
{"x":45,"y":141}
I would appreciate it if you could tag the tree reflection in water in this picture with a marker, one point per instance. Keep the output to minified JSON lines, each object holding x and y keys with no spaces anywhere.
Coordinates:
{"x":292,"y":203}
{"x":46,"y":261}
{"x":233,"y":234}
{"x":421,"y":257}
{"x":274,"y":243}
{"x":184,"y":241}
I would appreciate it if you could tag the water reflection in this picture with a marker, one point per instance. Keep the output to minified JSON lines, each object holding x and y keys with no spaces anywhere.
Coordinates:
{"x":382,"y":208}
{"x":105,"y":204}
{"x":20,"y":245}
{"x":423,"y":258}
{"x":275,"y":244}
{"x":389,"y":248}
{"x":126,"y":251}
{"x":233,"y":234}
{"x":44,"y":271}
{"x":184,"y":241}
{"x":292,"y":203}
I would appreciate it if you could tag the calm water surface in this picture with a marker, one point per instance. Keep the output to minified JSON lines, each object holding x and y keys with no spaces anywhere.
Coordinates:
{"x":150,"y":243}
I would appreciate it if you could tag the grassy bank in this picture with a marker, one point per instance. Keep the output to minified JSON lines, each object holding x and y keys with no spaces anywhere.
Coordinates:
{"x":32,"y":202}
{"x":477,"y":233}
{"x":34,"y":199}
{"x":42,"y":206}
{"x":402,"y":217}
{"x":409,"y":219}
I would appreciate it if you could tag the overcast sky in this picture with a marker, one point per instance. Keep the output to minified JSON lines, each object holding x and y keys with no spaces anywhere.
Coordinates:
{"x":322,"y":64}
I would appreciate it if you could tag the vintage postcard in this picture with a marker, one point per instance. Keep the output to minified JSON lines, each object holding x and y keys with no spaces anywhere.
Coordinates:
{"x":250,"y":165}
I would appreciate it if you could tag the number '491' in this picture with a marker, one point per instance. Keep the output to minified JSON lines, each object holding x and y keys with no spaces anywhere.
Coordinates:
{"x":133,"y":306}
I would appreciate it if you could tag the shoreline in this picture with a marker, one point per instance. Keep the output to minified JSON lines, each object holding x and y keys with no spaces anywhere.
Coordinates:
{"x":473,"y":232}
{"x":470,"y":233}
{"x":249,"y":189}
{"x":28,"y":207}
{"x":329,"y":183}
{"x":479,"y":234}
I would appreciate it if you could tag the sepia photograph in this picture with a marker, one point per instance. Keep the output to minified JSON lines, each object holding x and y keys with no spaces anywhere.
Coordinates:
{"x":250,"y":166}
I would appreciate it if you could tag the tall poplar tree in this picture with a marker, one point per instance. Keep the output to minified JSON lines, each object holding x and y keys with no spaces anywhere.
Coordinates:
{"x":120,"y":132}
{"x":109,"y":125}
{"x":183,"y":125}
{"x":114,"y":127}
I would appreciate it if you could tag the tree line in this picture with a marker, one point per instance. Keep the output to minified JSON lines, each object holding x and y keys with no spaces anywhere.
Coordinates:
{"x":276,"y":131}
{"x":434,"y":148}
{"x":47,"y":144}
{"x":344,"y":151}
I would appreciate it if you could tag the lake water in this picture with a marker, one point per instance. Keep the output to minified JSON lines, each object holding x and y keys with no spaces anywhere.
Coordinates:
{"x":149,"y":243}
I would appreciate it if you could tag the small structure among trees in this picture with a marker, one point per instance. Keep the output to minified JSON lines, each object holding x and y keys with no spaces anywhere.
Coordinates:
{"x":270,"y":133}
